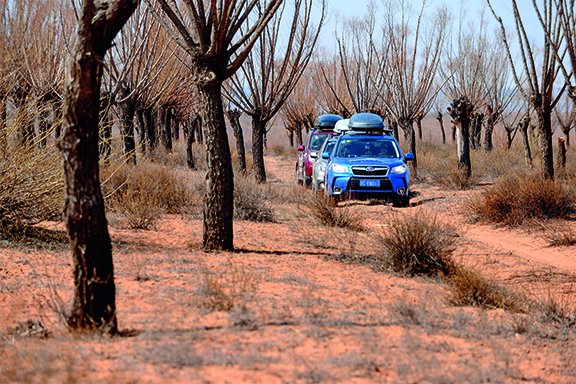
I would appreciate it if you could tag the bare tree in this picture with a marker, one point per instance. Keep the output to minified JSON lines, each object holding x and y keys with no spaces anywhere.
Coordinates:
{"x":209,"y":33}
{"x":264,"y":82}
{"x":409,"y":68}
{"x":540,"y":82}
{"x":93,"y":306}
{"x":566,"y":118}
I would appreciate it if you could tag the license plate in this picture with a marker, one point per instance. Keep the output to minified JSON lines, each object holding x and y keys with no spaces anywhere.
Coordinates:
{"x":369,"y":183}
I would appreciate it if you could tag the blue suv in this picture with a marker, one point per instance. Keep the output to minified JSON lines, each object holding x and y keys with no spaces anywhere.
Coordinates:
{"x":367,"y":161}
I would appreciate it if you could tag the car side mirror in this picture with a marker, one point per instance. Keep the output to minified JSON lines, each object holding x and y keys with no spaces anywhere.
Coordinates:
{"x":326,"y":155}
{"x":300,"y":147}
{"x":313,"y":155}
{"x":408,"y":157}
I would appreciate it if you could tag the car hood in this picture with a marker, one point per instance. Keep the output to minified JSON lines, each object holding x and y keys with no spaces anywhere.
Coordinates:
{"x":368,"y":161}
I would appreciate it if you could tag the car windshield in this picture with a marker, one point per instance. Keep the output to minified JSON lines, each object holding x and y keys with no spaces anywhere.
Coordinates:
{"x":367,"y":147}
{"x":329,"y":146}
{"x":317,"y":140}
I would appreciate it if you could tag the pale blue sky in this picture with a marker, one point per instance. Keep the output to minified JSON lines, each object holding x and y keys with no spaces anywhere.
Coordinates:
{"x":473,"y":10}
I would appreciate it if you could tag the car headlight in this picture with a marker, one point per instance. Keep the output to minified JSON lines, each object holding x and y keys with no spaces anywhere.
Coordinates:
{"x":338,"y":168}
{"x":399,"y":169}
{"x":322,"y":168}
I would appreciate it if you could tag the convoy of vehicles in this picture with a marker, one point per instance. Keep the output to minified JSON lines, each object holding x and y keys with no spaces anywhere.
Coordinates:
{"x":308,"y":152}
{"x":363,"y":160}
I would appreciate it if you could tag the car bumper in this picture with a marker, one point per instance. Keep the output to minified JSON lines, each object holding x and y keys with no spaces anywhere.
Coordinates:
{"x":389,"y":185}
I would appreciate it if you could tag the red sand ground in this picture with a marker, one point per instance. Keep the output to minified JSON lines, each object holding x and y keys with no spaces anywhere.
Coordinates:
{"x":297,"y":316}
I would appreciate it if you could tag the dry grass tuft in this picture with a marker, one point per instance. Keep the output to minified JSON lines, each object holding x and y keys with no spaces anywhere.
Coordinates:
{"x":557,"y":308}
{"x":250,"y":201}
{"x":560,"y":236}
{"x":328,"y":214}
{"x":419,"y":243}
{"x":470,"y":288}
{"x":225,"y":290}
{"x":143,"y":192}
{"x":514,"y":199}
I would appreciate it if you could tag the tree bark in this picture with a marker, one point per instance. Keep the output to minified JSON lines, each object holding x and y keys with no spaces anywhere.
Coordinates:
{"x":561,"y":153}
{"x":93,"y":306}
{"x":408,"y":128}
{"x":219,"y":199}
{"x":525,"y":141}
{"x":141,"y":130}
{"x":234,"y":118}
{"x":150,"y":129}
{"x":441,"y":122}
{"x":460,"y":111}
{"x":127,"y":113}
{"x":167,"y":128}
{"x":193,"y":125}
{"x":258,"y":131}
{"x":545,"y":127}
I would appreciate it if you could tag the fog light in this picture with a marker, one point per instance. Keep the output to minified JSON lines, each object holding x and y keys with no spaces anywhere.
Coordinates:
{"x":321,"y":186}
{"x":337,"y":189}
{"x":401,"y":191}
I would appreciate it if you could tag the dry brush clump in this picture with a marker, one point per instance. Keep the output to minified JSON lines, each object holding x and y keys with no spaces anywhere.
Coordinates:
{"x":516,"y":198}
{"x":227,"y":288}
{"x":143,"y":192}
{"x":250,"y":201}
{"x":419,"y":243}
{"x":326,"y":213}
{"x":468,"y":288}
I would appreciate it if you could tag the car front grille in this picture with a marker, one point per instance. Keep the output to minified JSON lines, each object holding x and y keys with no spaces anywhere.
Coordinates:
{"x":369,"y":171}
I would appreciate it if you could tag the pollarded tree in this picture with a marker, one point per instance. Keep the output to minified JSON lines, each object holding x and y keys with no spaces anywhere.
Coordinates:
{"x":210,"y":32}
{"x":409,"y":67}
{"x":94,"y":303}
{"x":272,"y":70}
{"x":540,"y":80}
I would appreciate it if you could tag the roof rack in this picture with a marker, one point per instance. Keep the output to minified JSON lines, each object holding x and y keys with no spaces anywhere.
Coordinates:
{"x":326,"y":122}
{"x":342,"y":126}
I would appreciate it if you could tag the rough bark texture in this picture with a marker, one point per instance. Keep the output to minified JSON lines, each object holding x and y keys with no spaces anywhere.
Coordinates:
{"x":258,"y":132}
{"x":489,"y":128}
{"x":525,"y":141}
{"x":408,"y":128}
{"x":150,"y":129}
{"x":460,"y":111}
{"x":93,"y":307}
{"x":219,"y":198}
{"x":127,"y":114}
{"x":545,"y":129}
{"x":441,"y":122}
{"x":234,"y":118}
{"x":561,"y":153}
{"x":141,"y":130}
{"x":476,"y":129}
{"x":192,"y":127}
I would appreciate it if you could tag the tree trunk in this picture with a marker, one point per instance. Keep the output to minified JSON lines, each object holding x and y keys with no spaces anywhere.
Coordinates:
{"x":488,"y":132}
{"x":234,"y":118}
{"x":258,"y":128}
{"x":299,"y":140}
{"x":176,"y":128}
{"x":150,"y":129}
{"x":419,"y":125}
{"x":567,"y":136}
{"x":460,"y":111}
{"x":525,"y":141}
{"x":441,"y":122}
{"x":141,"y":130}
{"x":190,"y":140}
{"x":219,"y":198}
{"x":94,"y":304}
{"x":545,"y":125}
{"x":290,"y":135}
{"x":561,"y":153}
{"x":127,"y":113}
{"x":453,"y":133}
{"x":167,"y":129}
{"x":408,"y":128}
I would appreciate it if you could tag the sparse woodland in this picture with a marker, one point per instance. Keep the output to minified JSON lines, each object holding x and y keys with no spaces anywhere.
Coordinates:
{"x":151,"y":226}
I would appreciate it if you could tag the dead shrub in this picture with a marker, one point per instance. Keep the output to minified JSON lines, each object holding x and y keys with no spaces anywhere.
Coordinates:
{"x":145,"y":191}
{"x":419,"y":243}
{"x":250,"y":201}
{"x":513,"y":199}
{"x":224,"y":290}
{"x":557,"y":308}
{"x":560,"y":236}
{"x":470,"y":288}
{"x":328,"y":214}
